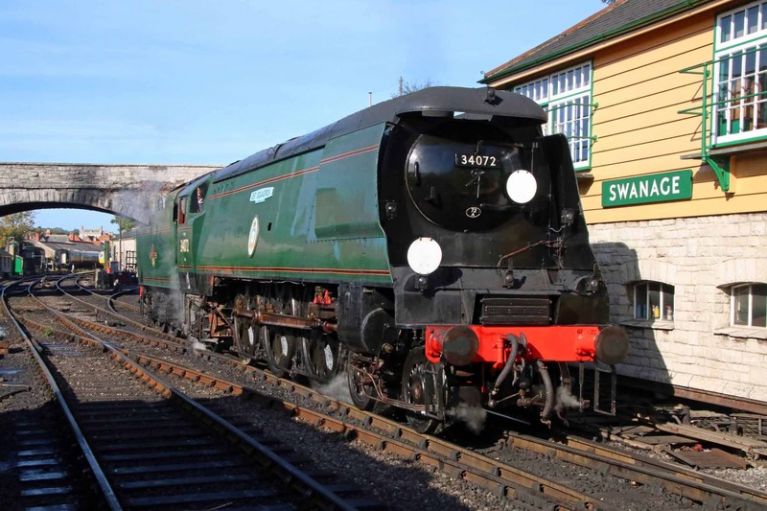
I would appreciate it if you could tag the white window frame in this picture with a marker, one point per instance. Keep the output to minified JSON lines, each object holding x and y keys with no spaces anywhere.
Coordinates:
{"x":650,"y":317}
{"x":750,"y":286}
{"x":566,"y":95}
{"x":737,"y":102}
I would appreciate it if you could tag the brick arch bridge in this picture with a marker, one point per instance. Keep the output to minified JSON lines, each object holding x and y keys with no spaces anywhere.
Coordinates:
{"x":127,"y":190}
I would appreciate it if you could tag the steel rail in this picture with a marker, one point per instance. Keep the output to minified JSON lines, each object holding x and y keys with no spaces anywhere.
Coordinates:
{"x":679,"y":480}
{"x":633,"y":469}
{"x":130,"y":336}
{"x":115,"y":332}
{"x":676,"y":479}
{"x":112,"y":299}
{"x":495,"y":476}
{"x":318,"y":493}
{"x":135,"y":324}
{"x":480,"y":470}
{"x":705,"y":490}
{"x":582,"y":445}
{"x":98,"y":473}
{"x":109,"y":299}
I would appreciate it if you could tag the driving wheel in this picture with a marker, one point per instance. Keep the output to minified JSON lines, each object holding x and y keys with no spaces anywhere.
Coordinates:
{"x":423,"y":384}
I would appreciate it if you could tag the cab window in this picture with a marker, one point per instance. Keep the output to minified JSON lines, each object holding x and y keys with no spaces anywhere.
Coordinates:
{"x":182,"y":210}
{"x":198,"y":198}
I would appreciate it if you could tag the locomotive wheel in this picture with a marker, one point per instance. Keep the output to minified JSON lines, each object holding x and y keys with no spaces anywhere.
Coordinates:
{"x":279,"y":346}
{"x":245,"y":332}
{"x":147,"y":309}
{"x":245,"y":338}
{"x":360,"y":386}
{"x":423,"y":383}
{"x":194,"y":324}
{"x":322,"y":356}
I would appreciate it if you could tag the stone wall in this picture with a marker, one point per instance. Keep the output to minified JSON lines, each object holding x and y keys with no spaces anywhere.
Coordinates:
{"x":128,"y":190}
{"x":701,"y":257}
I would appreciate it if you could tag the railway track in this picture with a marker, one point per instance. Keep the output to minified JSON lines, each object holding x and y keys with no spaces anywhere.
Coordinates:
{"x":699,"y":489}
{"x":499,"y":475}
{"x":110,"y":310}
{"x":111,"y":299}
{"x":150,"y":446}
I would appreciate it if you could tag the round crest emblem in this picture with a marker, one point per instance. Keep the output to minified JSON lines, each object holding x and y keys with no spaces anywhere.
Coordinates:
{"x":153,"y":256}
{"x":473,"y":212}
{"x":253,"y":236}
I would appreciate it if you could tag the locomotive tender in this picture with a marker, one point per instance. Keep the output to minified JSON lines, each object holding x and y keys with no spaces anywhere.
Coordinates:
{"x":432,"y":246}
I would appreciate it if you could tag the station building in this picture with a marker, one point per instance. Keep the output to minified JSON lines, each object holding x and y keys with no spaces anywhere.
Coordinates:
{"x":664,"y":103}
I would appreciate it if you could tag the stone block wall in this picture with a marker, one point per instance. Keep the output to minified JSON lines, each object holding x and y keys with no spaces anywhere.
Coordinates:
{"x":128,"y":190}
{"x":701,"y":257}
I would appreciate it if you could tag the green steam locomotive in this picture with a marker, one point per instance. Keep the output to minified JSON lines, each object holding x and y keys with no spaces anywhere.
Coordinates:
{"x":431,"y":249}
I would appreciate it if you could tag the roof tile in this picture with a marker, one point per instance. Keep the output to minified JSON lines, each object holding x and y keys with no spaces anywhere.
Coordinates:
{"x":606,"y":23}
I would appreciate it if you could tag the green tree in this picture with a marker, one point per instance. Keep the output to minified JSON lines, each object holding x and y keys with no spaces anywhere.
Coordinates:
{"x":15,"y":227}
{"x":123,"y":223}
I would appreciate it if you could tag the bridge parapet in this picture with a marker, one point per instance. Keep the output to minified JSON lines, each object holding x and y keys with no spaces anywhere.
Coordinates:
{"x":127,"y":190}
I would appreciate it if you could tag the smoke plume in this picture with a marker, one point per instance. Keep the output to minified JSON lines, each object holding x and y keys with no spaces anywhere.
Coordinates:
{"x":473,"y":417}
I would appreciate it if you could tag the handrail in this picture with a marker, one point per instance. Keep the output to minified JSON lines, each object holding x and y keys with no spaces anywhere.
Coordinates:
{"x":721,"y":168}
{"x":710,"y":103}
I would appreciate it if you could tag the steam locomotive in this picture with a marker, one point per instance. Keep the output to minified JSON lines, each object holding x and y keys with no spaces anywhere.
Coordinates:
{"x":431,"y":249}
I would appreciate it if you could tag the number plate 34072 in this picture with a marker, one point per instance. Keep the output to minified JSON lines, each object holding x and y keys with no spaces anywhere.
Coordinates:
{"x":476,"y":161}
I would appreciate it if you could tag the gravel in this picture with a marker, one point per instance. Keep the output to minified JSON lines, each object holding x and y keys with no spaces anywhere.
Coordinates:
{"x":384,"y":475}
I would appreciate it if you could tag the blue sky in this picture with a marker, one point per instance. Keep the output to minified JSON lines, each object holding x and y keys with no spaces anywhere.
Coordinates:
{"x":194,"y":81}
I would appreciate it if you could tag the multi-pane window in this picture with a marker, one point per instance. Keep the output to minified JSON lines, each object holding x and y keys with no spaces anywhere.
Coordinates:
{"x":740,"y":95}
{"x":130,"y":260}
{"x":567,"y":97}
{"x":537,"y":90}
{"x":748,"y":305}
{"x":653,"y":301}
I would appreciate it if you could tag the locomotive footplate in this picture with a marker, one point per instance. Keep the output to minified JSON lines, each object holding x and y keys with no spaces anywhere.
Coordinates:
{"x":490,"y":344}
{"x":462,"y":344}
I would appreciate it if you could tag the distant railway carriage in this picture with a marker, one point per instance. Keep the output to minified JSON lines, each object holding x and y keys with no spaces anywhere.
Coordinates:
{"x":34,"y":260}
{"x":433,"y":246}
{"x":79,"y":258}
{"x":6,"y":264}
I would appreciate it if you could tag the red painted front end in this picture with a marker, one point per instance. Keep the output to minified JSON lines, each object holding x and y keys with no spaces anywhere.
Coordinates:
{"x":576,"y":343}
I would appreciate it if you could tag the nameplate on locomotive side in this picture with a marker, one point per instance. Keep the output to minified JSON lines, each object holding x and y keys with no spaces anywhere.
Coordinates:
{"x":261,"y":194}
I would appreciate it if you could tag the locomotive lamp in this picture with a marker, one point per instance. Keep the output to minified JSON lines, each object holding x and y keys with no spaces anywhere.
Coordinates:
{"x":589,"y":286}
{"x":612,"y":345}
{"x":424,"y":256}
{"x":456,"y":345}
{"x":459,"y":345}
{"x":521,"y":186}
{"x":567,"y":217}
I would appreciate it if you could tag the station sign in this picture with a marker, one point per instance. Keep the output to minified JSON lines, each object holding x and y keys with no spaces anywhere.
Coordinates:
{"x":661,"y":187}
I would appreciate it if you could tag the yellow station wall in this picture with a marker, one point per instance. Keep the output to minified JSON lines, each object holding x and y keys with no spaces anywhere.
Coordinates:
{"x":700,"y":246}
{"x":639,"y":92}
